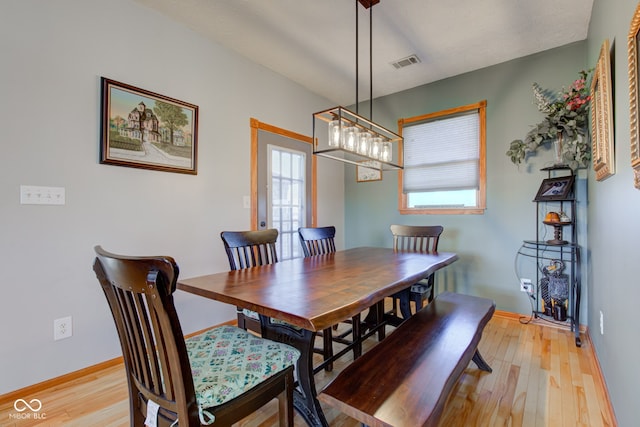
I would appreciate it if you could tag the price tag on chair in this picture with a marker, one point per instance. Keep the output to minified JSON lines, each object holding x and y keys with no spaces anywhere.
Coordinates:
{"x":152,"y":414}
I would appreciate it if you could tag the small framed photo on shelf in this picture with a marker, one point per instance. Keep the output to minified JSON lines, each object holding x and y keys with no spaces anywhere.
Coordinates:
{"x":364,"y":174}
{"x":558,"y":188}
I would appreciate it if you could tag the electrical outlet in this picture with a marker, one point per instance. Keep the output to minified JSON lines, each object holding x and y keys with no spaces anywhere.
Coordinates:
{"x":526,"y":286}
{"x":601,"y":323}
{"x":62,"y":328}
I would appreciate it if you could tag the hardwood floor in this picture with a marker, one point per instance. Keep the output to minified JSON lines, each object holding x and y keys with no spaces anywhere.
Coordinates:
{"x":540,"y":378}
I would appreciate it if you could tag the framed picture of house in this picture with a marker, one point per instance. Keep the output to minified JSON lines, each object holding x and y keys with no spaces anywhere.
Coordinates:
{"x":602,"y":151}
{"x":364,"y":174}
{"x":633,"y":41}
{"x":558,"y":188}
{"x":142,"y":129}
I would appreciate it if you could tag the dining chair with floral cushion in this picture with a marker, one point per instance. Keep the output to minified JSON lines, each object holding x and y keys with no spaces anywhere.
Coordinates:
{"x":216,"y":377}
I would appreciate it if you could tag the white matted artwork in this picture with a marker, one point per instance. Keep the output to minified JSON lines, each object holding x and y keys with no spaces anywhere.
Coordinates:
{"x":365,"y":174}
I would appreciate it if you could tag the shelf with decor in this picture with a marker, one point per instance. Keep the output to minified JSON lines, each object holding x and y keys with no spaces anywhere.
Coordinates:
{"x":557,"y":259}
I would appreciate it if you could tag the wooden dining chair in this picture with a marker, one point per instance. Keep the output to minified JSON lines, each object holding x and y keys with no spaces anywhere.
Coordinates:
{"x":415,"y":238}
{"x":215,"y":377}
{"x":320,"y":241}
{"x":250,"y":249}
{"x":317,"y":240}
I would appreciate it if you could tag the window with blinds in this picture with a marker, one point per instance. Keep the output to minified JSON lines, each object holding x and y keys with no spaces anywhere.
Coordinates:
{"x":444,"y":165}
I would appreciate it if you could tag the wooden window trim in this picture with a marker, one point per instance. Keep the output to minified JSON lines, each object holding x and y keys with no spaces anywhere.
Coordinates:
{"x":482,"y":190}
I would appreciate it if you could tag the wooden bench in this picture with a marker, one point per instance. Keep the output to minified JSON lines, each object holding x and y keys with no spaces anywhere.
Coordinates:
{"x":405,"y":380}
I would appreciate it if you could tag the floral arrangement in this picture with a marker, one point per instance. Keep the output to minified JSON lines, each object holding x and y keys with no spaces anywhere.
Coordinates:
{"x":564,"y":124}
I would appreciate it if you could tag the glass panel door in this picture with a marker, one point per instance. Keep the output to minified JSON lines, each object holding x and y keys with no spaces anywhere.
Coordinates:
{"x":286,"y":198}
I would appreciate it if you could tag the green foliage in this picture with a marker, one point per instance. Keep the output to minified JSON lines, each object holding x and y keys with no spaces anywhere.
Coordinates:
{"x":172,"y":116}
{"x":118,"y":141}
{"x":566,"y":117}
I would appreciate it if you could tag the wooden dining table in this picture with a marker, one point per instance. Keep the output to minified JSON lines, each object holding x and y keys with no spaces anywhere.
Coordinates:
{"x":298,"y":298}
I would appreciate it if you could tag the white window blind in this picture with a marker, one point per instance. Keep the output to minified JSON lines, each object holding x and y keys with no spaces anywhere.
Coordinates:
{"x":442,"y":154}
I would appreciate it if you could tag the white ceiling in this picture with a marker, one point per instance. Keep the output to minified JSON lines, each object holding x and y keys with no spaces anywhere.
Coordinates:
{"x":312,"y":42}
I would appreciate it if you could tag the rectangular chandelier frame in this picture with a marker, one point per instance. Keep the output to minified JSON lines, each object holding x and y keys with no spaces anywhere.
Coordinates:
{"x":343,"y":135}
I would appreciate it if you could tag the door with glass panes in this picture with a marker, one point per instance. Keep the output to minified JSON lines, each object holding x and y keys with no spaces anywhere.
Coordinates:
{"x":284,"y":189}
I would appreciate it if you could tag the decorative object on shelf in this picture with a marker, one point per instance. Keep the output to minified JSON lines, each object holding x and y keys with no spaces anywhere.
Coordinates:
{"x":557,"y":232}
{"x":551,"y":217}
{"x":564,"y":125}
{"x":558,"y":289}
{"x":602,"y":116}
{"x":142,"y":129}
{"x":346,"y":136}
{"x":556,"y":218}
{"x":634,"y":102}
{"x":558,"y":188}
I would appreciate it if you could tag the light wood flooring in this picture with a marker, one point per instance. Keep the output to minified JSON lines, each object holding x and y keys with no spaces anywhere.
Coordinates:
{"x":540,"y":378}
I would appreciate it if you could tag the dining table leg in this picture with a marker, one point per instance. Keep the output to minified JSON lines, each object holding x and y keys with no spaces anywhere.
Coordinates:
{"x":305,"y":396}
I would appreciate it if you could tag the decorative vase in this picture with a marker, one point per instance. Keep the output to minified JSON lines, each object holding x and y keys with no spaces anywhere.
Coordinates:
{"x":557,"y":146}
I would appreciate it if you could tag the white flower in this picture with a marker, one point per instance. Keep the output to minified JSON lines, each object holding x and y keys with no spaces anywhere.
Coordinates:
{"x":542,"y":101}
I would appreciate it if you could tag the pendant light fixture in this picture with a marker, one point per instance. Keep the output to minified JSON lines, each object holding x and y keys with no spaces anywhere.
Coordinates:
{"x":346,"y":136}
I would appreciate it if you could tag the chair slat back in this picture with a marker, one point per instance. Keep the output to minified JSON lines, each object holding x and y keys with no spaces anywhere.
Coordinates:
{"x":317,"y":240}
{"x":416,"y":238}
{"x":250,"y":248}
{"x":139,"y":291}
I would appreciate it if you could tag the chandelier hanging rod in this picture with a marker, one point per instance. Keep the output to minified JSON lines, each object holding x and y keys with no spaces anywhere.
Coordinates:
{"x":368,"y":5}
{"x":345,"y":136}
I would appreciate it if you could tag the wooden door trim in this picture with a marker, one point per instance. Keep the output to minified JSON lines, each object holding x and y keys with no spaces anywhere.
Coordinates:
{"x":256,"y":126}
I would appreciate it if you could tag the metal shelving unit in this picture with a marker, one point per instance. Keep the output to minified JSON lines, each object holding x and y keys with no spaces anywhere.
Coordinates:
{"x":547,"y":252}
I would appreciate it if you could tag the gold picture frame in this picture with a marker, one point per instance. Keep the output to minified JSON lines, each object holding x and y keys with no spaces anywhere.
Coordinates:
{"x":365,"y":174}
{"x":602,"y":151}
{"x":632,"y":50}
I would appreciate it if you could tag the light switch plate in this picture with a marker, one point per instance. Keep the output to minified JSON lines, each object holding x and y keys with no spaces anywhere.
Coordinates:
{"x":36,"y":195}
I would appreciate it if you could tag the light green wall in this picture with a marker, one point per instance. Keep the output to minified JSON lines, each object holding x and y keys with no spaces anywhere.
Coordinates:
{"x":614,"y":229}
{"x":487,"y":244}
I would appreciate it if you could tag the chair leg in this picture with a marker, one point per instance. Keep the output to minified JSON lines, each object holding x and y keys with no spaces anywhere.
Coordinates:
{"x":417,"y":299}
{"x":379,"y":313}
{"x":241,"y":319}
{"x":405,"y":305}
{"x":356,"y":335}
{"x":285,"y":403}
{"x":432,"y":283}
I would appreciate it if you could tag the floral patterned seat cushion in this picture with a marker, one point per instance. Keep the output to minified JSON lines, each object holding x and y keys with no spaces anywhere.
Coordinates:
{"x":227,"y":361}
{"x":250,"y":313}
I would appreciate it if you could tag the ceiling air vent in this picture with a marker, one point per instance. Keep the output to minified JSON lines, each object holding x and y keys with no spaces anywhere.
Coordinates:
{"x":405,"y":62}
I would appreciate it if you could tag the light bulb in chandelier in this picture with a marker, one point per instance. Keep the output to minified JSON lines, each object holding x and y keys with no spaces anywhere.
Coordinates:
{"x":364,"y":141}
{"x":350,"y":138}
{"x":376,"y":147}
{"x":335,"y":132}
{"x":386,"y":153}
